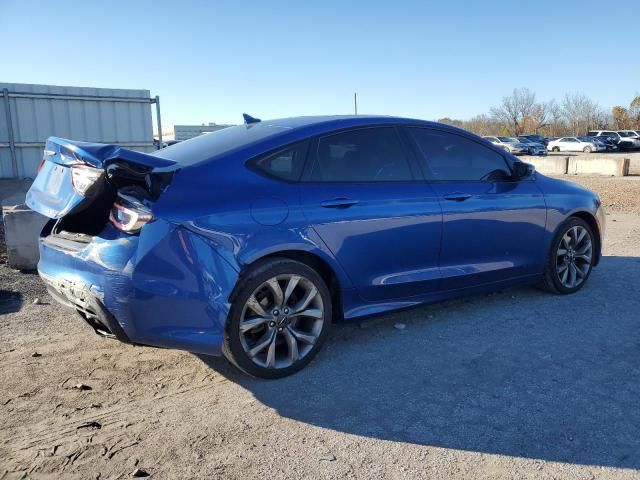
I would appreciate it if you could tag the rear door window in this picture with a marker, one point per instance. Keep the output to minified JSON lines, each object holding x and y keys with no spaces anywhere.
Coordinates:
{"x":364,"y":155}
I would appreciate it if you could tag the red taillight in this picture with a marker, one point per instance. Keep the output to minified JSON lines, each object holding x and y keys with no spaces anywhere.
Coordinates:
{"x":129,"y":214}
{"x":48,"y":152}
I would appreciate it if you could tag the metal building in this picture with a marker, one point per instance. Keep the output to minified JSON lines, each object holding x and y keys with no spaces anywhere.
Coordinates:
{"x":29,"y":114}
{"x":185,"y":132}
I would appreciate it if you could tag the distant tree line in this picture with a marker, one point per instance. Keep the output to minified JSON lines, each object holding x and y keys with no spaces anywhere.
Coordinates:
{"x":520,"y":113}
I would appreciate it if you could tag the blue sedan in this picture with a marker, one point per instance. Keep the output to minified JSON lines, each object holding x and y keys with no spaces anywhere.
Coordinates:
{"x":251,"y":241}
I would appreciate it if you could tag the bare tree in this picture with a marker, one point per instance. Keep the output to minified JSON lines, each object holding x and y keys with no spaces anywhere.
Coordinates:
{"x":582,"y":114}
{"x":577,"y":114}
{"x":556,"y":125}
{"x":480,"y":124}
{"x":541,"y":115}
{"x":515,"y":109}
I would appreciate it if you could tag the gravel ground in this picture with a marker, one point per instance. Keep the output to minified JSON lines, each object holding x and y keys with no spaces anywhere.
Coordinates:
{"x":618,"y":194}
{"x":517,"y":384}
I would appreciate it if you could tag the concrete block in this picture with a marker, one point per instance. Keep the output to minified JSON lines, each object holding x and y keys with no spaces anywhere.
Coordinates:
{"x":12,"y":189}
{"x":616,"y":167}
{"x":22,"y":227}
{"x":549,"y":165}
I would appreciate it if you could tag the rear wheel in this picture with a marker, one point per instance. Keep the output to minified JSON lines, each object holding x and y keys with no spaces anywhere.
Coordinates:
{"x":555,"y":149}
{"x":571,"y":256}
{"x":279,"y":319}
{"x":586,"y":149}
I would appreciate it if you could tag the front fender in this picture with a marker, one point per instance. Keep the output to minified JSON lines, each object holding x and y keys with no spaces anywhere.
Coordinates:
{"x":565,"y":199}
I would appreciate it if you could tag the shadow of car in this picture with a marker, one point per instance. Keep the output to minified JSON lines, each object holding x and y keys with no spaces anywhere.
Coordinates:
{"x":10,"y":301}
{"x":517,"y":373}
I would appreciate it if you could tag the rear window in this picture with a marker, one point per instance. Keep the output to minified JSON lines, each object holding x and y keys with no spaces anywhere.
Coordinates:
{"x":285,"y":164}
{"x":215,"y":143}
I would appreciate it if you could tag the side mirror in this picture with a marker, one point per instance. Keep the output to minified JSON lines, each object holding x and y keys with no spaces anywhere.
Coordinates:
{"x":522,"y":170}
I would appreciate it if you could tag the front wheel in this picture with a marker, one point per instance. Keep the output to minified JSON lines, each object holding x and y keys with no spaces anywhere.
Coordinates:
{"x":586,"y":149}
{"x":570,"y":258}
{"x":555,"y":149}
{"x":279,"y":319}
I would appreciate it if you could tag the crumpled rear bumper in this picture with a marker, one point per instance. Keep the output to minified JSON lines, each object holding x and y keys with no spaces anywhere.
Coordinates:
{"x":165,"y":288}
{"x":86,"y":302}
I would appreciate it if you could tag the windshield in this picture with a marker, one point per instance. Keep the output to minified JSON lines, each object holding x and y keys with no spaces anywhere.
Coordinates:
{"x":624,"y":134}
{"x":507,"y":139}
{"x":212,"y":144}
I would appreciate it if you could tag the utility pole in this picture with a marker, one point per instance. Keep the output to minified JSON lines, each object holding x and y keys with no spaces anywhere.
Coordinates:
{"x":355,"y":103}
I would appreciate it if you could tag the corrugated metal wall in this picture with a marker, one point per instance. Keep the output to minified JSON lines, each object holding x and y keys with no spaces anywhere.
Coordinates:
{"x":100,"y":115}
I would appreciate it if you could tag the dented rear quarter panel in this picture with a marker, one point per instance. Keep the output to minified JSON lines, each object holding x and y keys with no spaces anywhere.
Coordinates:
{"x":166,"y":287}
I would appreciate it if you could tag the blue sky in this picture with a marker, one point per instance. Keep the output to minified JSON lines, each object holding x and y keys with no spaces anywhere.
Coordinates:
{"x":211,"y":61}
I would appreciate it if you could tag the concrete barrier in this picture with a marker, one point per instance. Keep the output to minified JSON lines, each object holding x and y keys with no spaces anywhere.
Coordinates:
{"x":616,"y":167}
{"x":22,"y":227}
{"x":549,"y":165}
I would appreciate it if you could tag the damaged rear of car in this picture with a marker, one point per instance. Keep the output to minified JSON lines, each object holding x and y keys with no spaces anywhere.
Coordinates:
{"x":105,"y":244}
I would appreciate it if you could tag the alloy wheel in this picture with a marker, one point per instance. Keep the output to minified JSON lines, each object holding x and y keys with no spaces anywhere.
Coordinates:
{"x":574,"y":256}
{"x":281,"y":321}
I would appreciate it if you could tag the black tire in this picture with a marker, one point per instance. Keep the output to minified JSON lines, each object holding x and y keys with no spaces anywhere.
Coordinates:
{"x":555,"y":149}
{"x":551,"y":282}
{"x":232,"y":347}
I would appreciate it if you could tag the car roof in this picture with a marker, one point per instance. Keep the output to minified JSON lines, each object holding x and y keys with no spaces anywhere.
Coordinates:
{"x":261,"y":136}
{"x":331,"y":122}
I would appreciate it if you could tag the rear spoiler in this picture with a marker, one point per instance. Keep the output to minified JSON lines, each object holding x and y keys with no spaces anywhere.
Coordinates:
{"x":99,"y":155}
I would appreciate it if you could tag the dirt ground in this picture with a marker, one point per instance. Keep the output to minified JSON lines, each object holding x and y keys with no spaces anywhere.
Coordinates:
{"x":517,"y":384}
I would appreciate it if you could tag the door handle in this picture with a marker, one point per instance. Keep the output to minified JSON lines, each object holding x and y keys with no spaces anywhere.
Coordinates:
{"x":340,"y":203}
{"x":457,"y":196}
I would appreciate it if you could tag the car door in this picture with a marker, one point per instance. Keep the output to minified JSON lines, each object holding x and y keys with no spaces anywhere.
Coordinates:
{"x":562,"y":144}
{"x":361,"y":195}
{"x":570,"y":144}
{"x":573,"y":145}
{"x":493,"y":227}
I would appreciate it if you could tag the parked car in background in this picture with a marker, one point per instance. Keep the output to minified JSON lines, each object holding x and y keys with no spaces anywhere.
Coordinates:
{"x":608,"y":145}
{"x":535,"y":138}
{"x":573,"y":144}
{"x":629,"y":134}
{"x":510,"y":144}
{"x":623,"y":141}
{"x":535,"y":148}
{"x":250,"y":241}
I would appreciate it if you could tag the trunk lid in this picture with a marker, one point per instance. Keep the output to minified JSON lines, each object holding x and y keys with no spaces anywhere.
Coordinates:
{"x":72,"y":174}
